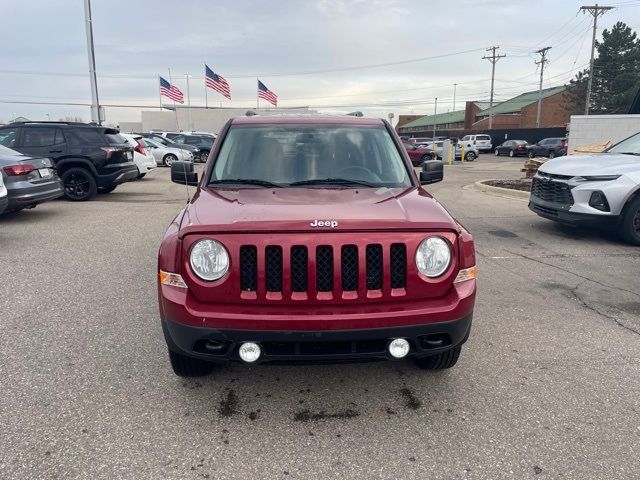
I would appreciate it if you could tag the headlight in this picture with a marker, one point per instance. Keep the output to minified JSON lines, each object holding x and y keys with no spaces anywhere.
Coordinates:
{"x":433,"y":256}
{"x":209,"y":259}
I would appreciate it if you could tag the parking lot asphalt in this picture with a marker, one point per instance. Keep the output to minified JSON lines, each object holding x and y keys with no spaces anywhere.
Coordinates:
{"x":548,"y":385}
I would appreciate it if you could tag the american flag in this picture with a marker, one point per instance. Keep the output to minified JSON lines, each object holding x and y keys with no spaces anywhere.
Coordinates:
{"x":216,"y":82}
{"x":171,"y":91}
{"x":266,"y":94}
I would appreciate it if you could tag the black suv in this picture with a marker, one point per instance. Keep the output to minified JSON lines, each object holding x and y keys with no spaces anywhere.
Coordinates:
{"x":203,"y":143}
{"x":89,"y":159}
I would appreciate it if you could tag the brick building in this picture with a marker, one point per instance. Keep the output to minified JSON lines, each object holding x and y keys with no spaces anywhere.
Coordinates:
{"x":517,"y":112}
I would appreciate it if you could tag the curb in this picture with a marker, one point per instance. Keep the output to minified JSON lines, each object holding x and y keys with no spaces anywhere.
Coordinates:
{"x":501,"y":192}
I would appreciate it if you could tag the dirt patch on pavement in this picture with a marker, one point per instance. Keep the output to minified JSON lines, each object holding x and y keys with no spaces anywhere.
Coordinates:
{"x":522,"y":185}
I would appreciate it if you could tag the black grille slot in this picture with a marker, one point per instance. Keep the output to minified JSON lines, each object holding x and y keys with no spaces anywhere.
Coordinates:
{"x":552,"y":191}
{"x":248,"y":268}
{"x":349,"y":261}
{"x":374,"y":267}
{"x":398,"y":265}
{"x":299,"y":270}
{"x":324,"y":268}
{"x":273,"y":268}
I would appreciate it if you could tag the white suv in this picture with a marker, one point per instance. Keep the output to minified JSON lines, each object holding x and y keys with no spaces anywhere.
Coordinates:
{"x":481,"y":142}
{"x":600,"y":190}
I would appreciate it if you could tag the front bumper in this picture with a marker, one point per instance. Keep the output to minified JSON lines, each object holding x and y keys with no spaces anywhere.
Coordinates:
{"x":366,"y":328}
{"x":221,"y":345}
{"x":563,"y":214}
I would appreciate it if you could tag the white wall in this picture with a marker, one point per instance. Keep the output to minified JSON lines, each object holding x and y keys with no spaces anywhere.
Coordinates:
{"x":202,"y":120}
{"x":585,"y":130}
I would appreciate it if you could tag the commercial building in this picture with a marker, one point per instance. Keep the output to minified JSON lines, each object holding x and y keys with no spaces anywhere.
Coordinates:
{"x":517,"y":112}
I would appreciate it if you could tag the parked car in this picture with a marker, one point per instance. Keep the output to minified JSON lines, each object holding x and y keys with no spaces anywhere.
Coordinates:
{"x":324,"y":246}
{"x":513,"y":148}
{"x":89,"y":159}
{"x":470,"y":152}
{"x":418,"y":154}
{"x":203,"y":144}
{"x":4,"y":198}
{"x":26,"y":181}
{"x":169,"y":135}
{"x":166,"y":155}
{"x":601,"y":189}
{"x":169,"y":143}
{"x":144,"y":160}
{"x":480,"y":142}
{"x":549,"y":147}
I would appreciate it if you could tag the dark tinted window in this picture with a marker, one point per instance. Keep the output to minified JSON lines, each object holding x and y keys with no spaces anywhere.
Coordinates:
{"x":85,"y":136}
{"x":9,"y":137}
{"x":172,"y":135}
{"x":115,"y":138}
{"x":193,"y":140}
{"x":180,"y":139}
{"x":41,"y":136}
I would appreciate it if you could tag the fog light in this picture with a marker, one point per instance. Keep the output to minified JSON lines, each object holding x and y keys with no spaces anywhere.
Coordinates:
{"x":250,"y":352}
{"x":399,"y":348}
{"x":599,"y":201}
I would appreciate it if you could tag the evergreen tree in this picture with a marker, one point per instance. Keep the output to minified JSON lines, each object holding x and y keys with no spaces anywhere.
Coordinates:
{"x":616,"y":74}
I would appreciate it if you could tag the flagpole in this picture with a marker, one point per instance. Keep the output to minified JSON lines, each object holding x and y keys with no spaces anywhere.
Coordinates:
{"x":174,"y":102}
{"x":206,"y":100}
{"x":257,"y":94}
{"x":159,"y":93}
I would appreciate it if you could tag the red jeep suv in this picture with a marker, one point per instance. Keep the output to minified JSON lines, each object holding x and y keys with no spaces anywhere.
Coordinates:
{"x":310,"y":238}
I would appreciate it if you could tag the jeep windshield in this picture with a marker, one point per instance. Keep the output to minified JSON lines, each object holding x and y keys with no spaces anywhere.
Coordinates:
{"x":309,"y":156}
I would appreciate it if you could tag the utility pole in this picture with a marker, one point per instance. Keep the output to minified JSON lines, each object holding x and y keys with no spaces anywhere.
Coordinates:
{"x":596,"y":11}
{"x":435,"y":112}
{"x":493,"y":59}
{"x":543,"y":60}
{"x":95,"y":104}
{"x":454,"y":96}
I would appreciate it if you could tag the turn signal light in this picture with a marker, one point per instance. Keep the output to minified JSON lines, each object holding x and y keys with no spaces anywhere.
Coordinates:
{"x":466,"y":274}
{"x":172,"y":279}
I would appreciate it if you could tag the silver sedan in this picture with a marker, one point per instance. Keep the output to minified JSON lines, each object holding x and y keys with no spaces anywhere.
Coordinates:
{"x":166,"y":155}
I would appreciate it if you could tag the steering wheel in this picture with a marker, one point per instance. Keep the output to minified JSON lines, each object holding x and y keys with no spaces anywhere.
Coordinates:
{"x":368,"y":176}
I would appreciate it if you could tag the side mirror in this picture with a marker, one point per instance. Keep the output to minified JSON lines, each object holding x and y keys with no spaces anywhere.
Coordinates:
{"x":432,"y":172}
{"x":184,"y":173}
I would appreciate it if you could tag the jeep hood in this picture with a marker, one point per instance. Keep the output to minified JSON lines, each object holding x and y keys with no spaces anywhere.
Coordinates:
{"x":599,"y":164}
{"x":294,"y":209}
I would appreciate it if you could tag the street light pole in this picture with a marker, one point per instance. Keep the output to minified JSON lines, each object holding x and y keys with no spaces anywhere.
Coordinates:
{"x":95,"y":104}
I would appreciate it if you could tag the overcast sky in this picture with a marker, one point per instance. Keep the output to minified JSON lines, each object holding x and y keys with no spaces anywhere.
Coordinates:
{"x":137,"y":40}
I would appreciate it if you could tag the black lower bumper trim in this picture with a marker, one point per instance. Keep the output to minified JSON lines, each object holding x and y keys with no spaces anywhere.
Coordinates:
{"x":327,"y":345}
{"x":560,"y":213}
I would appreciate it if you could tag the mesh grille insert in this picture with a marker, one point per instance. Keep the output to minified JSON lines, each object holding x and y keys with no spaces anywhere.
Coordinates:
{"x":248,"y":268}
{"x":299,"y":261}
{"x":273,"y":268}
{"x":398,"y":265}
{"x":324,"y":268}
{"x":374,"y":267}
{"x":349,"y":261}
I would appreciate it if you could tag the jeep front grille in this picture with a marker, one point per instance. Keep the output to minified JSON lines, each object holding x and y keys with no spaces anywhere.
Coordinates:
{"x":289,"y":270}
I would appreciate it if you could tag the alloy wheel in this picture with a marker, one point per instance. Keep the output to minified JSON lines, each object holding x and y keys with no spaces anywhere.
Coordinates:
{"x":76,"y":185}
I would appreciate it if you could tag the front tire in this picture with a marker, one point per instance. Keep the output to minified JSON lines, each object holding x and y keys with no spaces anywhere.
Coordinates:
{"x":184,"y":366}
{"x":630,"y":227}
{"x":79,"y":184}
{"x":469,"y":157}
{"x":497,"y":152}
{"x":441,"y":360}
{"x":512,"y":153}
{"x":169,"y":159}
{"x":426,"y":158}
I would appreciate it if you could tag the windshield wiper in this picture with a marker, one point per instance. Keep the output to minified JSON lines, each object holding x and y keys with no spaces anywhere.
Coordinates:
{"x":628,"y":153}
{"x":245,"y":181}
{"x":332,"y":181}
